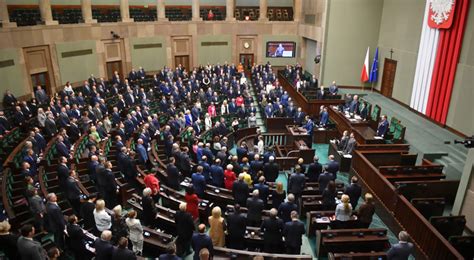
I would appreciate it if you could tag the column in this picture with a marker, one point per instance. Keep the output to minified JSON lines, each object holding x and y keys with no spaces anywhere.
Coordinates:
{"x":230,"y":5}
{"x":160,"y":10}
{"x":297,"y":10}
{"x":195,"y":9}
{"x":86,"y":8}
{"x":4,"y":18}
{"x":125,"y":11}
{"x":263,"y":10}
{"x":46,"y":13}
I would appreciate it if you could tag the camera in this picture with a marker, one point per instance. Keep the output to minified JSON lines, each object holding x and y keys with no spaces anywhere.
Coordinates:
{"x":114,"y":35}
{"x":468,"y":143}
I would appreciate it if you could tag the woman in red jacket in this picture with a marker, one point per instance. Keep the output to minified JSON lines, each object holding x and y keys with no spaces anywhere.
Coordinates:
{"x":192,"y":202}
{"x":229,"y":177}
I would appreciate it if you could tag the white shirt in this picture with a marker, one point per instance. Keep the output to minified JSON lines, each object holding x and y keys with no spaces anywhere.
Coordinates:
{"x":207,"y":123}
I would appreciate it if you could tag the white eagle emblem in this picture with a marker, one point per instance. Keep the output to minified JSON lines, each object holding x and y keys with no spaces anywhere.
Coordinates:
{"x":441,"y":10}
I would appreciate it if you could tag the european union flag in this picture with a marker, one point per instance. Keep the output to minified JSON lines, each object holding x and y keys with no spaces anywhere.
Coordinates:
{"x":375,"y":64}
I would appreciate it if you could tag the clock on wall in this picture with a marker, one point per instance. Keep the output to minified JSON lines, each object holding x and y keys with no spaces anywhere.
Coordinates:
{"x":246,"y":45}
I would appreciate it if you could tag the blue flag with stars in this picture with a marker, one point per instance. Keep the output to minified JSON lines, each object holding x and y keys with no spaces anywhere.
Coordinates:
{"x":375,"y":64}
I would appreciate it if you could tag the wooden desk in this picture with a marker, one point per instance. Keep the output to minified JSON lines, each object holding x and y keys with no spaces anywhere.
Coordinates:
{"x":364,"y":134}
{"x":297,"y":134}
{"x":351,"y":240}
{"x":344,"y":162}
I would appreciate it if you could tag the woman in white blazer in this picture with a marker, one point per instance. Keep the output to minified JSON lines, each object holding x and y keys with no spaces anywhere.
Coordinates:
{"x":103,"y":221}
{"x":136,"y":232}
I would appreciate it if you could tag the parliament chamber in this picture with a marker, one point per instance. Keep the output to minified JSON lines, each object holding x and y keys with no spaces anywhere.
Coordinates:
{"x":236,"y":129}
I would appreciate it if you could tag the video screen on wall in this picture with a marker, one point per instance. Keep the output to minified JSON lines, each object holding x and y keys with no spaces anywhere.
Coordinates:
{"x":281,"y":49}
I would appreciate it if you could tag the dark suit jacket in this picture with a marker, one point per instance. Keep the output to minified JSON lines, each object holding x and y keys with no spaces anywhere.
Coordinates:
{"x":149,"y":211}
{"x":354,"y":191}
{"x":314,"y":170}
{"x":50,"y":128}
{"x":236,"y":225}
{"x":351,"y":144}
{"x":30,"y":249}
{"x":62,"y":150}
{"x":123,"y":254}
{"x":272,"y":229}
{"x":324,"y":179}
{"x":73,"y":191}
{"x":200,"y":241}
{"x":103,"y":249}
{"x":184,"y":225}
{"x":293,"y":231}
{"x":77,"y":238}
{"x":333,"y":167}
{"x":63,"y":174}
{"x":255,"y":207}
{"x":271,"y":171}
{"x":400,"y":251}
{"x":217,"y":175}
{"x":55,"y":218}
{"x":240,"y":190}
{"x":174,"y":177}
{"x":296,"y":183}
{"x":285,"y":209}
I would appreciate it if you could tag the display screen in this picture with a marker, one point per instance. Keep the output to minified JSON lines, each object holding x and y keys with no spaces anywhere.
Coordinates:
{"x":281,"y":49}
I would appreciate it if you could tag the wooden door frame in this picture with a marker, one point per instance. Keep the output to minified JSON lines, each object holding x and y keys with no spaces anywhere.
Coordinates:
{"x":121,"y":59}
{"x":247,"y":54}
{"x":49,"y":67}
{"x":382,"y":89}
{"x":189,"y":51}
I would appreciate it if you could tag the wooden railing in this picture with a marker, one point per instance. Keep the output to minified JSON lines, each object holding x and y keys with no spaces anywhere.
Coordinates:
{"x":431,"y":244}
{"x":309,"y":106}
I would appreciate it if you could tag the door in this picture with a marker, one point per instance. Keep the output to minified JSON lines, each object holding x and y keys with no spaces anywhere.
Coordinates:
{"x":247,"y":61}
{"x":41,"y":79}
{"x":388,"y":78}
{"x":112,"y":67}
{"x":183,"y":60}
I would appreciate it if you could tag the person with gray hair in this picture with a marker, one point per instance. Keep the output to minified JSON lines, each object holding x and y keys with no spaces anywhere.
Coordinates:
{"x":103,"y":247}
{"x":272,"y":229}
{"x":149,"y":209}
{"x":271,"y":169}
{"x":285,"y":209}
{"x":403,"y":249}
{"x":314,"y":170}
{"x":56,"y":222}
{"x":184,"y":230}
{"x":255,"y":206}
{"x":240,"y":190}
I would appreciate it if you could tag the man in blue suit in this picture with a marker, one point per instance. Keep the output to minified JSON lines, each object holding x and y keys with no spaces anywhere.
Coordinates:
{"x":333,"y":166}
{"x":201,"y":240}
{"x":269,"y":110}
{"x":309,"y":126}
{"x":206,"y":168}
{"x":299,"y":117}
{"x":354,"y":107}
{"x":217,"y":174}
{"x":323,"y":121}
{"x":142,"y":153}
{"x":61,"y":148}
{"x":188,"y":118}
{"x":383,"y":126}
{"x":199,"y":182}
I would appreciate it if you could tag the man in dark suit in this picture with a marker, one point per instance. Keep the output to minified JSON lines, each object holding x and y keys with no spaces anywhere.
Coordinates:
{"x":271,"y":170}
{"x":383,"y":126}
{"x":103,"y":247}
{"x":121,"y":252}
{"x":272,"y":229}
{"x":28,"y":247}
{"x":184,"y":230}
{"x":296,"y":183}
{"x":73,"y":192}
{"x":142,"y":153}
{"x":63,"y":172}
{"x":324,"y":178}
{"x":240,"y":190}
{"x":293,"y":231}
{"x":314,"y":170}
{"x":9,"y":99}
{"x":73,"y":130}
{"x":56,"y":222}
{"x":255,"y":206}
{"x":62,"y":148}
{"x":201,"y":240}
{"x":174,"y":176}
{"x":285,"y":208}
{"x":19,"y":118}
{"x":110,"y":186}
{"x":354,"y":191}
{"x":76,"y":238}
{"x":217,"y":174}
{"x":333,"y":166}
{"x":236,"y":226}
{"x":199,"y":182}
{"x":299,"y":117}
{"x":256,"y":165}
{"x":242,"y":151}
{"x":50,"y":128}
{"x":263,"y":189}
{"x":403,"y":249}
{"x":354,"y":105}
{"x":351,"y":144}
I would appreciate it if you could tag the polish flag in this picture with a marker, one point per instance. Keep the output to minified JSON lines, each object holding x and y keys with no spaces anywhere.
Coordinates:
{"x":364,"y":76}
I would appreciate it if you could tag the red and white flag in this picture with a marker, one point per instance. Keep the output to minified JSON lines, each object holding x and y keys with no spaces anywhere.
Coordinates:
{"x":364,"y":76}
